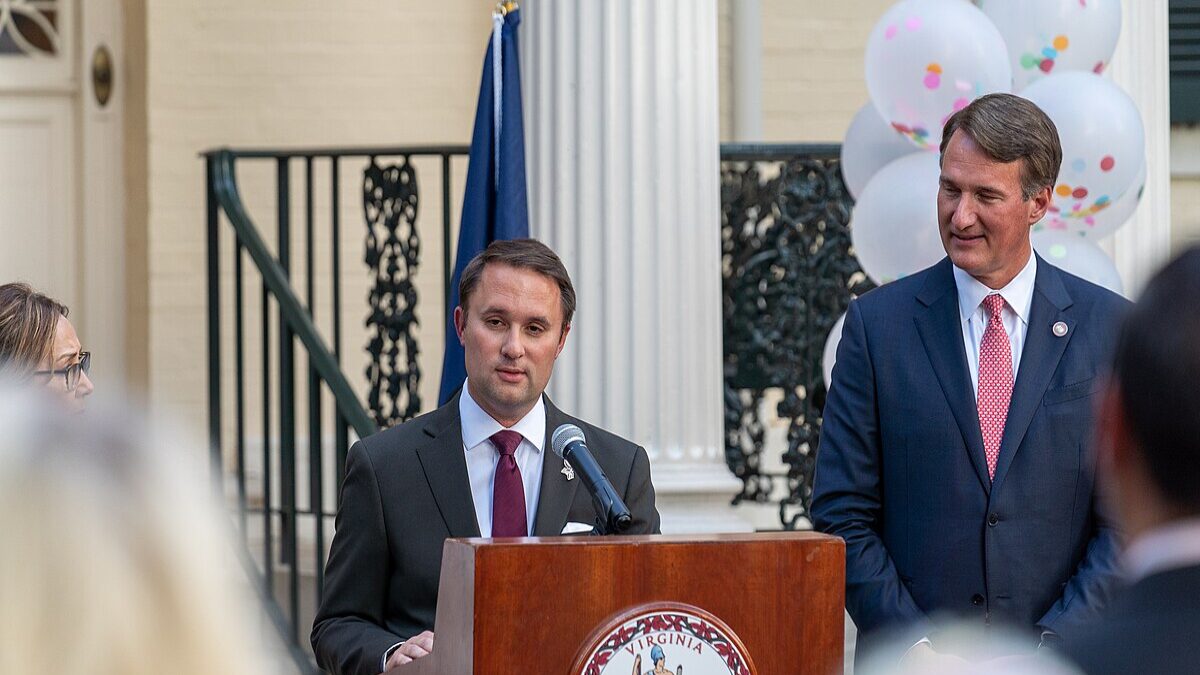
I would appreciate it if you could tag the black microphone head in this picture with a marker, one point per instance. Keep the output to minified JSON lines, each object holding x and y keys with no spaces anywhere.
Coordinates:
{"x":622,"y":522}
{"x":564,"y":435}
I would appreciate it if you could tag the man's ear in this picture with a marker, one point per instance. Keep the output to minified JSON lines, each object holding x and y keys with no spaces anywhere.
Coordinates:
{"x":460,"y":322}
{"x":1039,"y":203}
{"x":562,"y":339}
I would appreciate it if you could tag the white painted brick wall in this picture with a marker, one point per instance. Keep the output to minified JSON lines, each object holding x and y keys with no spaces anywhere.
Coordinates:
{"x":280,"y":73}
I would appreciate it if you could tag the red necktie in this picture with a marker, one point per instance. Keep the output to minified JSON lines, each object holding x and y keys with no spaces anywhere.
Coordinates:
{"x":995,"y":381}
{"x":508,"y":492}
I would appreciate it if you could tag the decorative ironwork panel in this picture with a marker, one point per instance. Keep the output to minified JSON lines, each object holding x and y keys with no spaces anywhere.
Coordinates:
{"x":393,"y":250}
{"x":29,"y":27}
{"x":788,"y":274}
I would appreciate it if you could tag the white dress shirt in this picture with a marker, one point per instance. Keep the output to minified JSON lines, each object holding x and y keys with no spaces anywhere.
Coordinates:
{"x":1018,"y":296}
{"x":482,"y":456}
{"x":1168,"y":547}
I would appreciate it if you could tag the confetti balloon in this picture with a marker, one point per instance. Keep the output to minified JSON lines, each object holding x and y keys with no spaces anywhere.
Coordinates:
{"x":870,"y":145}
{"x":1078,"y":256}
{"x":927,"y":59}
{"x":894,"y":226}
{"x":1103,"y":144}
{"x":1045,"y":37}
{"x":1107,"y":221}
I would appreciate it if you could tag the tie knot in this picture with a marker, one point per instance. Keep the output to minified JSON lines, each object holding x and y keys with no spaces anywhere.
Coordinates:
{"x":994,"y":303}
{"x":506,"y":441}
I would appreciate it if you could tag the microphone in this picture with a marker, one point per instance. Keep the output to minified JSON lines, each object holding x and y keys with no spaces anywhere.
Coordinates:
{"x":612,"y":514}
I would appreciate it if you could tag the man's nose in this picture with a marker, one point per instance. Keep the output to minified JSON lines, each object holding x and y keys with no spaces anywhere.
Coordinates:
{"x":964,"y":213}
{"x":513,"y":348}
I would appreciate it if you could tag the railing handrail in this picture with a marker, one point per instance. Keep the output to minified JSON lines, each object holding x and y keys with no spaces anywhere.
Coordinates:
{"x":734,"y":152}
{"x":422,"y":150}
{"x":729,"y":151}
{"x":291,"y":309}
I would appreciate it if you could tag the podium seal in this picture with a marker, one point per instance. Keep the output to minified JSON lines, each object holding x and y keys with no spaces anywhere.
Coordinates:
{"x":663,"y":638}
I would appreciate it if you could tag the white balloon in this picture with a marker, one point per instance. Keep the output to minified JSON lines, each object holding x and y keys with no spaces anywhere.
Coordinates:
{"x":927,"y":59}
{"x":894,"y":225}
{"x":1109,"y":220}
{"x":829,"y":357}
{"x":1103,"y":144}
{"x":1078,"y":256}
{"x":1055,"y":36}
{"x":870,"y":145}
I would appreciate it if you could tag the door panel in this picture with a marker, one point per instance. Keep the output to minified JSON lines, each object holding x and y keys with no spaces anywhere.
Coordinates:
{"x":37,"y":188}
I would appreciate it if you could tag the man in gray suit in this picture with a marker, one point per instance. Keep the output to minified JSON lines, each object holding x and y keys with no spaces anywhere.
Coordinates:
{"x":481,"y":465}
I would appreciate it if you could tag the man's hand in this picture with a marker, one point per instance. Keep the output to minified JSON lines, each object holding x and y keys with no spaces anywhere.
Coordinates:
{"x":412,"y":649}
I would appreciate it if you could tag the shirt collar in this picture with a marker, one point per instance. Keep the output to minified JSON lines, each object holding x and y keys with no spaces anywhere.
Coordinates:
{"x":478,"y":426}
{"x":1170,"y":546}
{"x":1018,"y":293}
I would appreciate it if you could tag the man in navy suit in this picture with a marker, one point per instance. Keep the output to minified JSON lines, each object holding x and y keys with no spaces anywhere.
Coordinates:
{"x":953,"y":457}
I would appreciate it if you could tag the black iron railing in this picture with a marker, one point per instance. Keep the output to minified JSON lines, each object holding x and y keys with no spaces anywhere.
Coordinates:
{"x":788,"y":274}
{"x":267,"y":504}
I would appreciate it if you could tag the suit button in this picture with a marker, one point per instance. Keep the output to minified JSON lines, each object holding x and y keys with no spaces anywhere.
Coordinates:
{"x":977,"y":600}
{"x":993,"y":519}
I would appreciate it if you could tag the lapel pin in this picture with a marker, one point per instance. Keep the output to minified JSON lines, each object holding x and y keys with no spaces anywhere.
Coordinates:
{"x":568,"y":471}
{"x":1059,"y":328}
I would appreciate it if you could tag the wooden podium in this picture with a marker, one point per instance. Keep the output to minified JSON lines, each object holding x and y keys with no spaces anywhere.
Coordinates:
{"x":556,"y":604}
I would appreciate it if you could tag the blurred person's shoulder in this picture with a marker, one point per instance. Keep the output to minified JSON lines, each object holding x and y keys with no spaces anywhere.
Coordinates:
{"x":1151,"y":627}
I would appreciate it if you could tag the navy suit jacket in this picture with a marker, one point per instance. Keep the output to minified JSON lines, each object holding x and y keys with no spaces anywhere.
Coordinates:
{"x":901,"y":474}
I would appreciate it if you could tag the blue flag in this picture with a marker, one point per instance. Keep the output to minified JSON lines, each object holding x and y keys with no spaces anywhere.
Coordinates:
{"x":494,"y":202}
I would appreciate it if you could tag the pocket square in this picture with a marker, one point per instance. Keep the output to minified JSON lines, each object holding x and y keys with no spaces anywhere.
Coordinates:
{"x":577,"y":528}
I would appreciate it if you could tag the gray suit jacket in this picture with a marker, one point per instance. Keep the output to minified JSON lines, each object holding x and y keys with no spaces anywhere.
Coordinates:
{"x":406,"y":491}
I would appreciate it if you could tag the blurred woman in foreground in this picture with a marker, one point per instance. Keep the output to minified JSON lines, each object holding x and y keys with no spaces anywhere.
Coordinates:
{"x":115,"y":557}
{"x":38,"y":343}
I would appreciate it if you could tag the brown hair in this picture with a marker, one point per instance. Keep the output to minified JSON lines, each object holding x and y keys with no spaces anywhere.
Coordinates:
{"x":526,"y":254}
{"x":1009,"y":128}
{"x":28,"y":320}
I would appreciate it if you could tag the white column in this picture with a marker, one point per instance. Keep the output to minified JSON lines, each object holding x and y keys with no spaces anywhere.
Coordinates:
{"x":1141,"y":67}
{"x":624,"y":175}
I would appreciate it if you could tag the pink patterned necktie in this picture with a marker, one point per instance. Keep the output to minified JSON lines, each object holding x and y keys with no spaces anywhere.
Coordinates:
{"x":995,"y":380}
{"x":508,"y":492}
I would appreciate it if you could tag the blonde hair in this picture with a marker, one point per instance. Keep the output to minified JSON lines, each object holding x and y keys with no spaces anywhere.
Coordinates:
{"x":28,"y":320}
{"x":115,"y":559}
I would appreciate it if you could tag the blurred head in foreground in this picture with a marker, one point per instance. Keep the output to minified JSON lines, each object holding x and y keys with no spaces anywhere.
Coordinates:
{"x":114,"y":558}
{"x":39,"y":344}
{"x":977,"y":651}
{"x":1149,"y":436}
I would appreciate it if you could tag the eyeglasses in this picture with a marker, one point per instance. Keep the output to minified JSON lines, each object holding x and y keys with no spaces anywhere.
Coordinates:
{"x":73,"y":371}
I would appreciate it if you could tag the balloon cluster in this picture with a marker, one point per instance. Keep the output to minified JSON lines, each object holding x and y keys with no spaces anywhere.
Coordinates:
{"x":926,"y":60}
